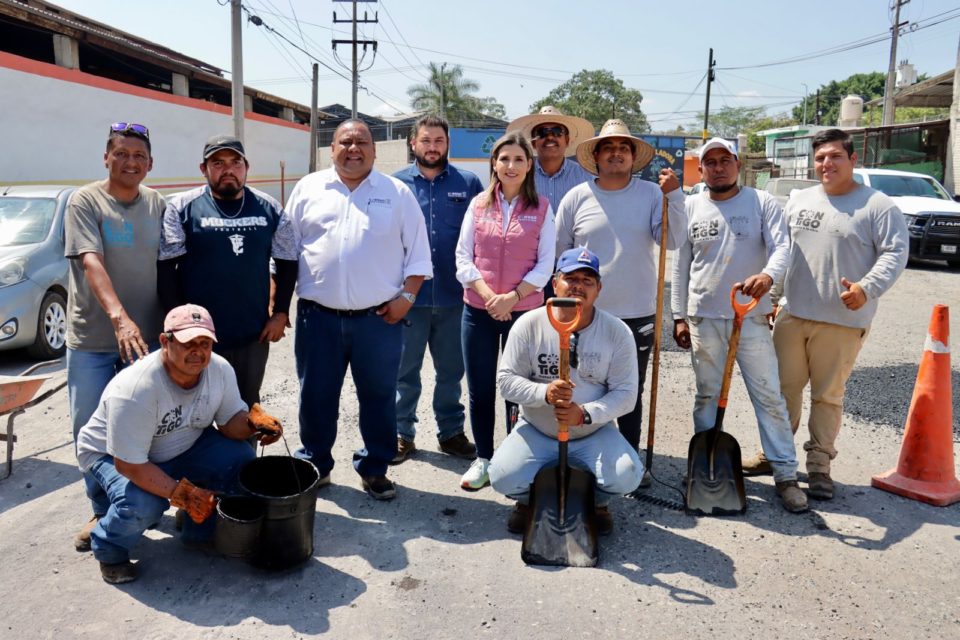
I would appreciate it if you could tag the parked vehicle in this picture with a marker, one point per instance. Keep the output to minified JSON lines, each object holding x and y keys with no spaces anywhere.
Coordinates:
{"x":33,"y":271}
{"x":781,"y":188}
{"x":697,"y":188}
{"x":933,"y":217}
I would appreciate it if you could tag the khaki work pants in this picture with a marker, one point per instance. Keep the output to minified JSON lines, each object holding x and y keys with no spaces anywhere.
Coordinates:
{"x":822,"y":354}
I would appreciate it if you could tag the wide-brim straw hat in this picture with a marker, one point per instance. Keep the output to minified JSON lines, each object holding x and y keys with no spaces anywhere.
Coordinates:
{"x":614,"y":129}
{"x":578,"y":128}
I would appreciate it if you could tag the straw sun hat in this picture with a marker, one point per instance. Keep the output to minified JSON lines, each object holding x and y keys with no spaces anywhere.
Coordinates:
{"x":613,"y":129}
{"x":578,"y":128}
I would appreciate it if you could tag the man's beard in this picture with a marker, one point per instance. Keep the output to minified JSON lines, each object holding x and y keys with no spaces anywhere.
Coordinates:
{"x":722,"y":188}
{"x":435,"y":164}
{"x":226,"y":191}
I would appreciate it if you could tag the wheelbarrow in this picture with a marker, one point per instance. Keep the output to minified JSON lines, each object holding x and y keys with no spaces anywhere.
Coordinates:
{"x":16,"y":396}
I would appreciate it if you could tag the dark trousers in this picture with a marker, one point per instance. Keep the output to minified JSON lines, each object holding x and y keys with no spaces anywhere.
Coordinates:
{"x":483,"y":338}
{"x":630,"y":424}
{"x":249,"y":363}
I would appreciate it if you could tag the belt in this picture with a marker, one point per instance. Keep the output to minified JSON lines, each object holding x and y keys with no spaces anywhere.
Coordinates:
{"x":346,"y":313}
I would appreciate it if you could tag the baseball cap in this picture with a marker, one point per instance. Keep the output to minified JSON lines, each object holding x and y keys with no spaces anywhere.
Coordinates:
{"x":189,"y":321}
{"x":718,"y":143}
{"x":220,"y":142}
{"x":578,"y":258}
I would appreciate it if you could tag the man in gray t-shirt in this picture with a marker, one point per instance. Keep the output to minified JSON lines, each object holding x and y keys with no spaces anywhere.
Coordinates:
{"x":848,"y":246}
{"x":112,"y":230}
{"x":152,"y":436}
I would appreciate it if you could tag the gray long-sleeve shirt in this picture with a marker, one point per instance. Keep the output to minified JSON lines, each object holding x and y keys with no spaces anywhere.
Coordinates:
{"x":606,"y":380}
{"x":727,"y":241}
{"x":860,"y":236}
{"x":622,"y":227}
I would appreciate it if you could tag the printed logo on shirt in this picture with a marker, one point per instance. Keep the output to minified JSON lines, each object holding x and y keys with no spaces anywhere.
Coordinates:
{"x":808,"y":220}
{"x":705,"y":230}
{"x":379,"y":202}
{"x":229,"y":223}
{"x":118,"y":234}
{"x":457,"y":196}
{"x":171,"y":421}
{"x":528,"y":218}
{"x":236,"y":241}
{"x":548,"y":364}
{"x":740,"y":226}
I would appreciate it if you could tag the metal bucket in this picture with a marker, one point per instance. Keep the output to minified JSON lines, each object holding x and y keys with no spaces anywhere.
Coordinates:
{"x":287,"y":487}
{"x":239,"y":518}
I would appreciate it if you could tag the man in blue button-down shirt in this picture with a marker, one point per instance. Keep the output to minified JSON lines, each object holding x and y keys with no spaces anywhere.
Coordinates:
{"x":443,"y":192}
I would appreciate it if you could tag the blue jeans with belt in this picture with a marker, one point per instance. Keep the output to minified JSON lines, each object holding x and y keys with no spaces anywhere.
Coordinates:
{"x":324,"y":345}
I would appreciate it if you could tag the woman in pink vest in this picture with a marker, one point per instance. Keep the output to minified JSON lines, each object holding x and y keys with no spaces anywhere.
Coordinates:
{"x":505,"y":256}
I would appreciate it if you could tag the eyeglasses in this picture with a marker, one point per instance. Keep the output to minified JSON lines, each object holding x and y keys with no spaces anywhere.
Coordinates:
{"x":123,"y":127}
{"x":543,"y":132}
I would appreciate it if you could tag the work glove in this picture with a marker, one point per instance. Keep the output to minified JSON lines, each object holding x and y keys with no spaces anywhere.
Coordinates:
{"x":198,"y":503}
{"x":268,"y":427}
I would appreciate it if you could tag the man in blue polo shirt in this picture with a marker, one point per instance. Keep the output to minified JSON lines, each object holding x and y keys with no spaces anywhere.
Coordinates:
{"x":215,"y":252}
{"x":443,"y":192}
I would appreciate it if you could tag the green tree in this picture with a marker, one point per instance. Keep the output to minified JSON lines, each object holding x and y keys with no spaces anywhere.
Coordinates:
{"x":757,"y":144}
{"x":866,"y":85}
{"x":729,"y":121}
{"x":597,"y":96}
{"x":874,"y":117}
{"x":449,"y":94}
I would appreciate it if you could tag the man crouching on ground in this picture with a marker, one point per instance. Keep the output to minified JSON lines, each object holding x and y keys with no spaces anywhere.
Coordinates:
{"x":152,"y":436}
{"x":603,"y":385}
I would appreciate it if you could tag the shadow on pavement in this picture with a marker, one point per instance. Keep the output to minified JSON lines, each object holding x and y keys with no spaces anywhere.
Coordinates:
{"x":34,"y":478}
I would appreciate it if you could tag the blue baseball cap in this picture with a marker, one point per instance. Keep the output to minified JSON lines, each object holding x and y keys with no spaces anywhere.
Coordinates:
{"x":578,"y":258}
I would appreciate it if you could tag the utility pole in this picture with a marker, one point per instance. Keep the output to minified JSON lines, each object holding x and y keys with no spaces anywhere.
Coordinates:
{"x":236,"y":70}
{"x":888,"y":105}
{"x":816,"y":114}
{"x":806,"y":92}
{"x":711,"y":76}
{"x":313,"y":119}
{"x":354,"y":42}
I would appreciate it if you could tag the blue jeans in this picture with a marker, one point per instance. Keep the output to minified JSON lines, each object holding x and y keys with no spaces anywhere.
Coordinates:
{"x":324,"y":345}
{"x":758,"y":365}
{"x":88,"y":373}
{"x":604,"y":453}
{"x":213,"y":462}
{"x":438,"y":327}
{"x":483,"y":338}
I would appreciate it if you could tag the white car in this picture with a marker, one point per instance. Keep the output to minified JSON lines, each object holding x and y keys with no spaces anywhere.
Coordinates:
{"x":697,"y":188}
{"x":933,"y":217}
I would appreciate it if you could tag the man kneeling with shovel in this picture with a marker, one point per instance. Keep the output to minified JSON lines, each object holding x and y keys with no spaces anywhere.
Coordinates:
{"x":152,"y":436}
{"x":603,"y":386}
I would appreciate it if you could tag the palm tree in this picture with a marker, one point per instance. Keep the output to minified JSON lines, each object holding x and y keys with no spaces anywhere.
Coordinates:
{"x":447,"y":93}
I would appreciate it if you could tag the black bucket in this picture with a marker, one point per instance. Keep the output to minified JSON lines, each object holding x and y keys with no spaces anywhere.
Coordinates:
{"x":288,"y":488}
{"x":239,"y":518}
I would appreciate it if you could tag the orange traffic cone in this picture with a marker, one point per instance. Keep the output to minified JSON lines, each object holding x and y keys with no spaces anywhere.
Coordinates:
{"x":926,"y":468}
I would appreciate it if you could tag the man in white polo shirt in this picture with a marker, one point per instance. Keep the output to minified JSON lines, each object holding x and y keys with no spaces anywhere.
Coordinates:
{"x":364,"y":252}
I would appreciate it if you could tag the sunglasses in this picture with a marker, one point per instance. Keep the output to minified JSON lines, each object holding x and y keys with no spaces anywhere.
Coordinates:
{"x":123,"y":127}
{"x":543,"y":132}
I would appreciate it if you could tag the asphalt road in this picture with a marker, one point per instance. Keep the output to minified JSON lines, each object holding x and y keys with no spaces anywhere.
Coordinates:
{"x":438,"y":562}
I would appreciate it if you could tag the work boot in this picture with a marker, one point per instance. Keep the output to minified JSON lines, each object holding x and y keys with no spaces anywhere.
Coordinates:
{"x":81,"y":541}
{"x":405,"y":449}
{"x":519,"y":517}
{"x":477,"y":476}
{"x":793,"y":499}
{"x":379,"y":487}
{"x":819,"y":486}
{"x":758,"y":465}
{"x":460,"y":447}
{"x":118,"y":573}
{"x":604,"y":520}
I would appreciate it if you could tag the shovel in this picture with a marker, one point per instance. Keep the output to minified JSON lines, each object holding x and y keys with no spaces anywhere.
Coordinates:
{"x":562,"y":530}
{"x":714,"y":472}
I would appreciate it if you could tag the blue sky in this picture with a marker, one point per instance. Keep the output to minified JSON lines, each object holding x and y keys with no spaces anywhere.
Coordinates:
{"x":518,"y":50}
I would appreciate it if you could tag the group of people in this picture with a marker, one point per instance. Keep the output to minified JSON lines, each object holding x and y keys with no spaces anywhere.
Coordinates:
{"x":385,"y":266}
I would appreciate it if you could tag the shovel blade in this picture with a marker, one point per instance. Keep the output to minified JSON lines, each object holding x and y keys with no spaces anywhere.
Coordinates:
{"x":570,"y":541}
{"x":714,"y":475}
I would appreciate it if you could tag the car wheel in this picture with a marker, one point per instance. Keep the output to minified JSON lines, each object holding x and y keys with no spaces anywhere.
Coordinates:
{"x":51,"y":328}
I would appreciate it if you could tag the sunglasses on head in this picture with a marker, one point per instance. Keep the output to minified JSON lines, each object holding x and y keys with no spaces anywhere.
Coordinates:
{"x":123,"y":127}
{"x":543,"y":132}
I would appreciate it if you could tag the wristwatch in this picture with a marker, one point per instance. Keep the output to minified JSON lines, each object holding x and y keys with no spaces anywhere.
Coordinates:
{"x":409,"y":297}
{"x":586,"y":416}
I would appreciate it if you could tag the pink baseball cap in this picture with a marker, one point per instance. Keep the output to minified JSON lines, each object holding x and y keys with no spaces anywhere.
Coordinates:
{"x":189,"y":321}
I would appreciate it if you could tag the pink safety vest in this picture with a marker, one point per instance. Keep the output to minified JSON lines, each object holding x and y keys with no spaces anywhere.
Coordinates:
{"x":504,"y":258}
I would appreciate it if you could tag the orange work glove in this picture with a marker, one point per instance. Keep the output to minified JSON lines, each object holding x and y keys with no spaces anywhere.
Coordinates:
{"x":268,"y":427}
{"x":198,"y":503}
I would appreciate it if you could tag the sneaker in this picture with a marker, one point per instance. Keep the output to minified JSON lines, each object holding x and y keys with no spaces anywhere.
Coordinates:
{"x":519,"y":517}
{"x":758,"y":465}
{"x":379,"y":487}
{"x":604,"y":521}
{"x":477,"y":476}
{"x":819,"y":486}
{"x":405,"y":449}
{"x":118,"y":573}
{"x":793,"y":499}
{"x":460,"y":447}
{"x":81,"y":541}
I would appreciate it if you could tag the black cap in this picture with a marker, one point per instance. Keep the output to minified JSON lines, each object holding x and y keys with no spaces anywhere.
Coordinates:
{"x":220,"y":142}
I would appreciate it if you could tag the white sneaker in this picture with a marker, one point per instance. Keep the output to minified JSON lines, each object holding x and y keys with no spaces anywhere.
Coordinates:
{"x":477,"y":476}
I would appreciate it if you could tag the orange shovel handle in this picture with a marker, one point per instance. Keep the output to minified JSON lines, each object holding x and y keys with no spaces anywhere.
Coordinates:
{"x":564,"y":328}
{"x":741,"y":309}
